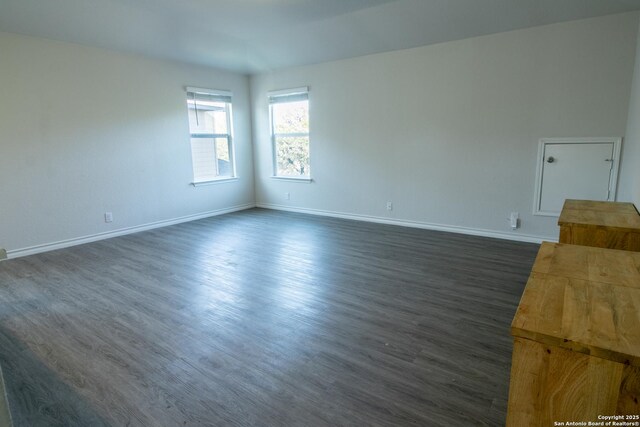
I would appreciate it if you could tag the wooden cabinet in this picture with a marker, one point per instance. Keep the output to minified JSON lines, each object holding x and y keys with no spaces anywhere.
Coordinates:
{"x":601,"y":224}
{"x":576,"y":336}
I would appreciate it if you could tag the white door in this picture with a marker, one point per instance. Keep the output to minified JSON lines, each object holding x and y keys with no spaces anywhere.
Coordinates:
{"x":575,"y":171}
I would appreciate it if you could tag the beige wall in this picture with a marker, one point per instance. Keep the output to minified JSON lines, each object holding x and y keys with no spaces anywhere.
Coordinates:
{"x":450,"y":132}
{"x":85,"y":130}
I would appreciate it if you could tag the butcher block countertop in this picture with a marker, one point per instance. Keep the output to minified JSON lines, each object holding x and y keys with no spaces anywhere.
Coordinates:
{"x":584,"y":299}
{"x":588,"y":213}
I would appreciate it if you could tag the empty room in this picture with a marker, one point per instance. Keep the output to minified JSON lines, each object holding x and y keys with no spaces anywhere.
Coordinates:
{"x":319,"y":213}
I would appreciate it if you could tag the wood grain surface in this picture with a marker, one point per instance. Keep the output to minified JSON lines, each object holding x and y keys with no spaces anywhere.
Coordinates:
{"x":599,"y":206}
{"x":263,"y":318}
{"x":552,"y":384}
{"x":612,"y":225}
{"x":577,"y":337}
{"x":584,"y":299}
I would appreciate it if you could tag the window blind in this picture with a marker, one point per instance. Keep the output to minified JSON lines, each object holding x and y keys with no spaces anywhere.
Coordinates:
{"x":288,"y":95}
{"x":204,"y":95}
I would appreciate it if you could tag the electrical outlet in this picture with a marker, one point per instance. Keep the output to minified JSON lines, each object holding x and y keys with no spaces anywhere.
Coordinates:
{"x":389,"y":206}
{"x":287,"y":196}
{"x":108,"y":217}
{"x":513,"y":220}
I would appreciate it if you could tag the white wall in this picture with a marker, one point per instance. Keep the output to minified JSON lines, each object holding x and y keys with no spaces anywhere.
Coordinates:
{"x":450,"y":132}
{"x":85,"y":130}
{"x":630,"y":169}
{"x":447,"y":132}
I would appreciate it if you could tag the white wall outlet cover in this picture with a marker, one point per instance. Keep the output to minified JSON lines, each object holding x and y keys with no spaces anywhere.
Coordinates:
{"x":513,"y":220}
{"x":108,"y":217}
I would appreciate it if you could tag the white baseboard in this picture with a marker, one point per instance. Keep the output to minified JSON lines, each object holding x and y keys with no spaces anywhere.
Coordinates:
{"x":415,"y":224}
{"x":32,"y":250}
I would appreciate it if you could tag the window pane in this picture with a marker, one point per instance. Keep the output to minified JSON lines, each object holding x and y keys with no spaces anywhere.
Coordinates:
{"x":223,"y":155}
{"x":203,"y":154}
{"x":211,"y":158}
{"x":291,"y":117}
{"x":211,"y":116}
{"x":292,"y":156}
{"x":219,"y":119}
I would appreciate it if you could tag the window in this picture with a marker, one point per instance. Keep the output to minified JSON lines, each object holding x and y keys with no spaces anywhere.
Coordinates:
{"x":289,"y":112}
{"x":211,"y":134}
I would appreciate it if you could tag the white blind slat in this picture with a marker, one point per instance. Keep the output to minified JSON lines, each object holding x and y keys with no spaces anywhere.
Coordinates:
{"x":288,"y":95}
{"x":219,"y":95}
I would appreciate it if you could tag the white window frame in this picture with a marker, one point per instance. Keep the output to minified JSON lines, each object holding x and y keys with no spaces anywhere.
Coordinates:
{"x":282,"y":96}
{"x":226,"y":97}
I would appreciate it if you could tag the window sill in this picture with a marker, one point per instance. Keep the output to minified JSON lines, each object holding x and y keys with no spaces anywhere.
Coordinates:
{"x":213,"y":181}
{"x":293,"y":179}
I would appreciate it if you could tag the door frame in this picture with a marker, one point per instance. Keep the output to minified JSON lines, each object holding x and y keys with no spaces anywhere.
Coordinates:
{"x":613,"y":177}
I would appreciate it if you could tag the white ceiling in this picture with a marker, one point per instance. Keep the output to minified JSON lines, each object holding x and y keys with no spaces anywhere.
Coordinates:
{"x":253,"y":36}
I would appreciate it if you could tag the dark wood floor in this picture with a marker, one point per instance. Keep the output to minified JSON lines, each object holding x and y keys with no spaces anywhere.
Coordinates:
{"x":263,"y":318}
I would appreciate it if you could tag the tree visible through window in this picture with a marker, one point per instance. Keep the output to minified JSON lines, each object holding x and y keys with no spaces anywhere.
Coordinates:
{"x":290,"y":132}
{"x":210,"y":129}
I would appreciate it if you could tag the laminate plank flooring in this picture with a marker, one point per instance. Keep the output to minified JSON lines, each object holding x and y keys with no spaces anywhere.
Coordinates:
{"x":263,"y":318}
